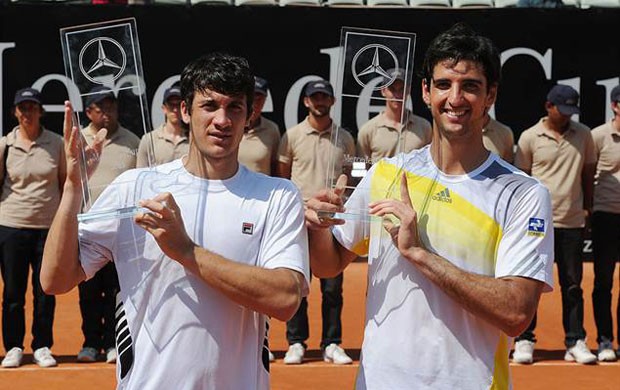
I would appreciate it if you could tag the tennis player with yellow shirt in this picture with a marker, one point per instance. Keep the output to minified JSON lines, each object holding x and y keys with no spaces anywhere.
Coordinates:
{"x":458,"y":261}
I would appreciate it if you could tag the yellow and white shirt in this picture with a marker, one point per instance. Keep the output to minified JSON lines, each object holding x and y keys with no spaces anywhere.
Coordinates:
{"x":494,"y":221}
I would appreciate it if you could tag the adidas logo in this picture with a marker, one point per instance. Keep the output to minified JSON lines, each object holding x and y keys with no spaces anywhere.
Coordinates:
{"x":443,"y":196}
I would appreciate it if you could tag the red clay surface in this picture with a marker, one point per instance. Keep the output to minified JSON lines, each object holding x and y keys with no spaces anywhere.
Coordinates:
{"x":548,"y":372}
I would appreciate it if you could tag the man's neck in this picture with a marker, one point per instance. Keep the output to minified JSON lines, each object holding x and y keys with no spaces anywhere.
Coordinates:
{"x":255,"y":123}
{"x":394,"y":115}
{"x":173,"y":129}
{"x":29,"y":133}
{"x":321,"y":123}
{"x":556,"y":127}
{"x":207,"y":168}
{"x":458,"y":156}
{"x":615,"y":123}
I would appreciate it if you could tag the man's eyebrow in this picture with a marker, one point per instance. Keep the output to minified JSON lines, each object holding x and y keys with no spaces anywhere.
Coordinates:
{"x":476,"y":81}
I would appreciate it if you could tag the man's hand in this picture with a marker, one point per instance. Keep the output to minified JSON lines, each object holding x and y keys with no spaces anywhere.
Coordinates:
{"x":321,"y":208}
{"x":165,"y":223}
{"x":405,"y":234}
{"x":76,"y":148}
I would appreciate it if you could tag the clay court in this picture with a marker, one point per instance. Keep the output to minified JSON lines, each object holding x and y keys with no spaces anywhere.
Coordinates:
{"x":549,"y":370}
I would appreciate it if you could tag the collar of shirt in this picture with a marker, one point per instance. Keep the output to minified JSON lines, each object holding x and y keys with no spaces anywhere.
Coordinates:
{"x":542,"y":129}
{"x":44,"y":137}
{"x":308,"y":129}
{"x":383,"y":121}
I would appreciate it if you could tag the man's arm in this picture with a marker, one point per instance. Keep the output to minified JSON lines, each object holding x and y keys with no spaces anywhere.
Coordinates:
{"x":142,"y":158}
{"x":274,"y":292}
{"x":588,"y":172}
{"x":61,"y":269}
{"x":587,"y":182}
{"x":327,"y":257}
{"x":284,"y":170}
{"x":524,"y":155}
{"x":509,"y":303}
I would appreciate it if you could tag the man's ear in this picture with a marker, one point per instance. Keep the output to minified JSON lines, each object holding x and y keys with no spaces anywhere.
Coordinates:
{"x":426,"y":95}
{"x":491,"y":96}
{"x":185,"y":115}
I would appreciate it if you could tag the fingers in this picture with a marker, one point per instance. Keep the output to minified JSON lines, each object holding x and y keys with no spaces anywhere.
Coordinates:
{"x":341,"y":185}
{"x":404,"y":190}
{"x":68,"y":122}
{"x":162,"y":206}
{"x":99,"y":140}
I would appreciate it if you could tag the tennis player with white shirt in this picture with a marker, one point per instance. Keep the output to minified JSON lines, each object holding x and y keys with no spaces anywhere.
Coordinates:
{"x":216,"y":255}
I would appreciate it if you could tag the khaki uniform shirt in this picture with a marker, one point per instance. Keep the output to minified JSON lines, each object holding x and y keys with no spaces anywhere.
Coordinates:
{"x":32,"y":185}
{"x":559,"y":166}
{"x":499,"y":139}
{"x":259,"y":147}
{"x":118,"y":155}
{"x":164,"y":149}
{"x":310,"y":153}
{"x":377,"y":138}
{"x":607,"y":179}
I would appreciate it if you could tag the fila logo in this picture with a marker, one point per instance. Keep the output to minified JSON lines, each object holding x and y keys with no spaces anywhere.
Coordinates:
{"x":247,"y":228}
{"x":443,"y":196}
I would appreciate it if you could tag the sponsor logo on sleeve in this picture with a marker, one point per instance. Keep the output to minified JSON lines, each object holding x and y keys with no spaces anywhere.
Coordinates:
{"x":536,"y":227}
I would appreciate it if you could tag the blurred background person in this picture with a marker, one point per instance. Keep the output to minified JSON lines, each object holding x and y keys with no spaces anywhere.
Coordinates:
{"x":304,"y":157}
{"x":259,"y":147}
{"x":98,"y":294}
{"x":170,"y":141}
{"x":606,"y":228}
{"x":560,"y":153}
{"x":382,"y":134}
{"x":498,"y":138}
{"x":33,"y":173}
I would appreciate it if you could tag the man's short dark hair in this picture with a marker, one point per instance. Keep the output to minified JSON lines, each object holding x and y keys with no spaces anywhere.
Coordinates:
{"x":459,"y":43}
{"x":219,"y":72}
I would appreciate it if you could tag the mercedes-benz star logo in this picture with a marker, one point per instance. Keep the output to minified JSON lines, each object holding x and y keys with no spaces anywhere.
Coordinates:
{"x":104,"y":65}
{"x":381,"y":53}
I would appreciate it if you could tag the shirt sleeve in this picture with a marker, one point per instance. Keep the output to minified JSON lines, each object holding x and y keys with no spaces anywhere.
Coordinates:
{"x":526,"y":246}
{"x":285,"y":241}
{"x":97,"y":238}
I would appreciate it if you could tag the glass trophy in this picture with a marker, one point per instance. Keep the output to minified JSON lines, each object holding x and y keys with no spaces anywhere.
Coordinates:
{"x":370,"y":62}
{"x":102,"y":60}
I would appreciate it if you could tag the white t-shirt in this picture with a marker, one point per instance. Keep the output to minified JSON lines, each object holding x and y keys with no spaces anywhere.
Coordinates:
{"x":495,"y":221}
{"x":173,"y":330}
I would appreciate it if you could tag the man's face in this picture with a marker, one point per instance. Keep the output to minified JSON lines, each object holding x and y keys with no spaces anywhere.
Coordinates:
{"x":555,"y":117}
{"x":615,"y":107}
{"x":319,"y":104}
{"x":216,"y":122}
{"x":172,"y":110}
{"x":394,"y":95}
{"x":104,"y":114}
{"x":257,"y":105}
{"x":28,"y":113}
{"x":459,"y":98}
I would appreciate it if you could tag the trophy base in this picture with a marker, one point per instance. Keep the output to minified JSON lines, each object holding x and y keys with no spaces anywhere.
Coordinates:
{"x":330,"y":216}
{"x":125,"y":212}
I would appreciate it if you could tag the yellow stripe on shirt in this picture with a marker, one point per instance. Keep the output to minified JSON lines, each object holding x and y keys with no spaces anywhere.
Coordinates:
{"x":501,"y":375}
{"x":448,"y":223}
